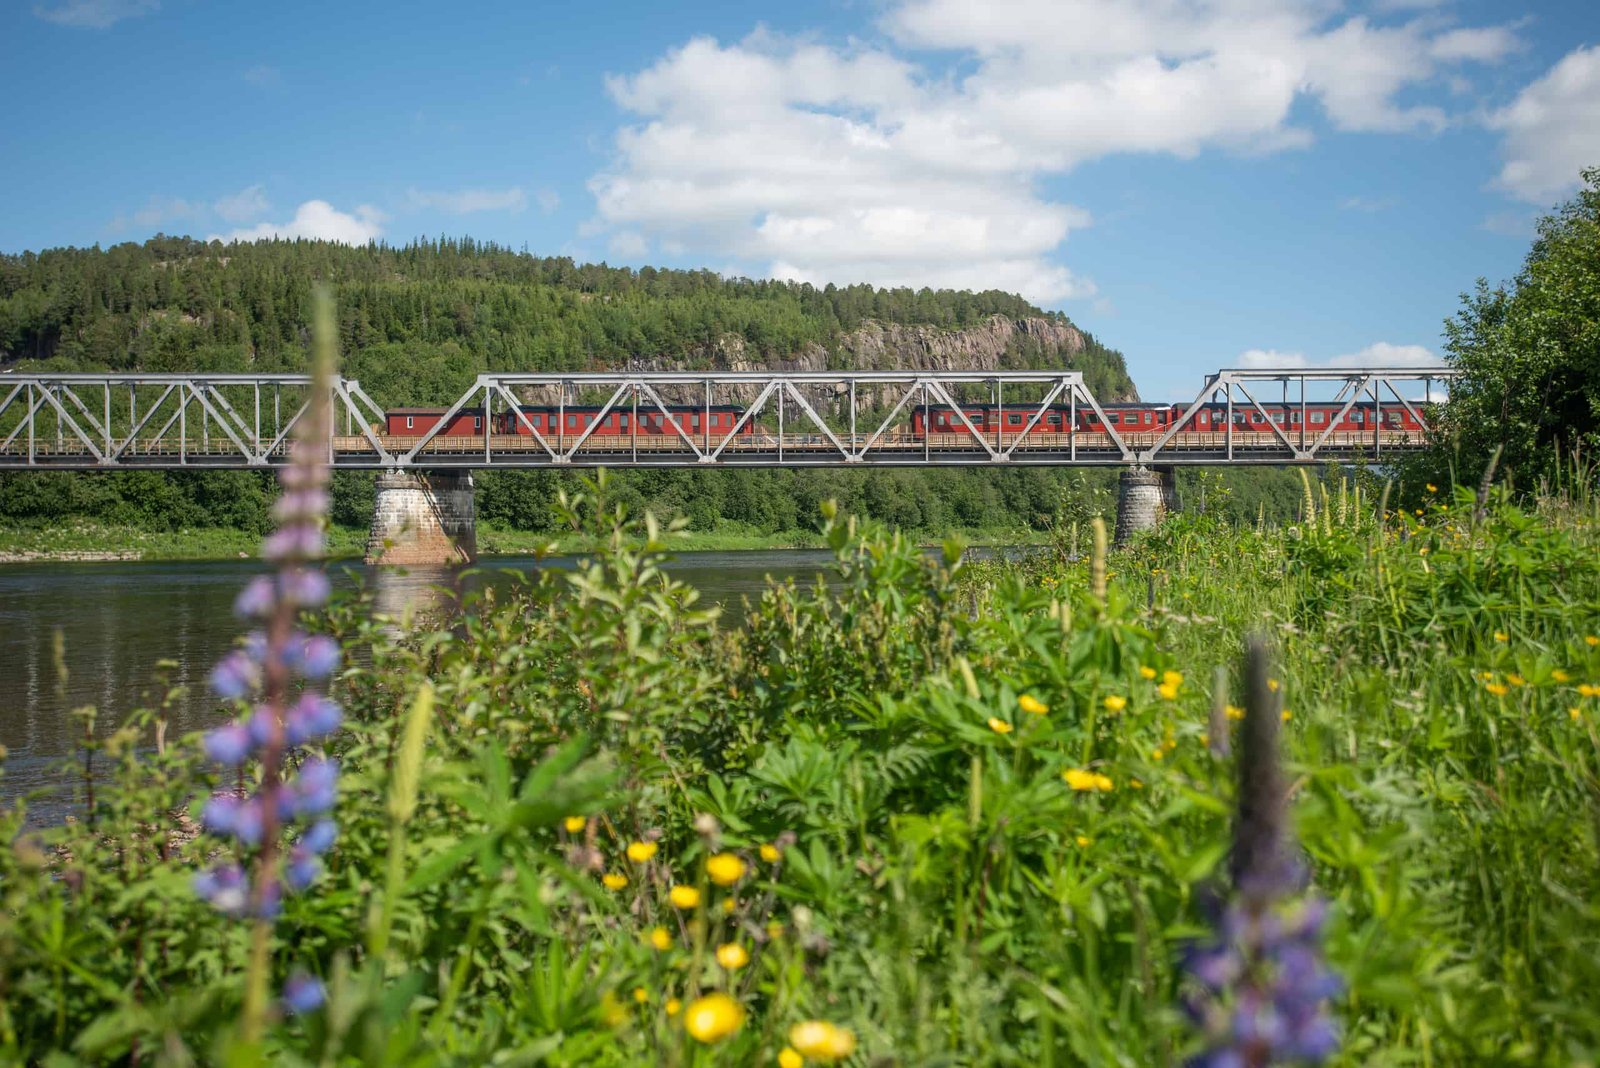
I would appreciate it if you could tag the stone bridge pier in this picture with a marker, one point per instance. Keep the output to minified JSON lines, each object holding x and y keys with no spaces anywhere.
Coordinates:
{"x":423,"y":518}
{"x":1146,"y":495}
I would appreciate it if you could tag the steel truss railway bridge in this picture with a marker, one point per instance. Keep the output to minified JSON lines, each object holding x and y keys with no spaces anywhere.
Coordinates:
{"x":784,"y":419}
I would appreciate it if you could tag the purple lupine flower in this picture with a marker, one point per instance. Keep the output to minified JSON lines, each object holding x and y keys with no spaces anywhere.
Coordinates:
{"x":303,"y":993}
{"x":235,"y":675}
{"x":319,"y":839}
{"x":256,"y":600}
{"x":312,"y":717}
{"x":224,"y":886}
{"x":305,"y":587}
{"x":228,"y":744}
{"x":1263,"y":985}
{"x":313,"y":657}
{"x":270,"y":655}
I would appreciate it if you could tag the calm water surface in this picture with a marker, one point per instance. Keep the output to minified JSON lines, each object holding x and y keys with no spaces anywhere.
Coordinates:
{"x":119,"y":619}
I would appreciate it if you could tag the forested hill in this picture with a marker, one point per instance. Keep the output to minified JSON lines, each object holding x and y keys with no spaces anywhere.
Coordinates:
{"x":419,"y":322}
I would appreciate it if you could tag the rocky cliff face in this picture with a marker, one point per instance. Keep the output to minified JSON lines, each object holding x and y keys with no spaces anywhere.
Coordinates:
{"x":999,"y":343}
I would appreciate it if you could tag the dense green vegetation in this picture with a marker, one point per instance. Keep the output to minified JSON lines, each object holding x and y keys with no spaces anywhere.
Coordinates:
{"x":1531,"y":353}
{"x":931,"y":881}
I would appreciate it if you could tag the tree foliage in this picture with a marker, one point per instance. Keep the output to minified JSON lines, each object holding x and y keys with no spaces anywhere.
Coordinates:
{"x":1531,"y":352}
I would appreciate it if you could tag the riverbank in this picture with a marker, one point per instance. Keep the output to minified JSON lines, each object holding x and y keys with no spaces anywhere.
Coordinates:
{"x":85,"y":541}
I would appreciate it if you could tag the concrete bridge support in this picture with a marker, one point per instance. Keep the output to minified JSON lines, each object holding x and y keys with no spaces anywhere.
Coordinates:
{"x":423,"y":518}
{"x":1145,"y":497}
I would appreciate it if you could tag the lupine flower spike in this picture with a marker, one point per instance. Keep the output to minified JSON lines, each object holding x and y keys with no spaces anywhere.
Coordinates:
{"x":278,"y":671}
{"x":1261,"y":985}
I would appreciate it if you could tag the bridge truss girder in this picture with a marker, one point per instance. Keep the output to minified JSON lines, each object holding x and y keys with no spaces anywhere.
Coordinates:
{"x":79,"y":421}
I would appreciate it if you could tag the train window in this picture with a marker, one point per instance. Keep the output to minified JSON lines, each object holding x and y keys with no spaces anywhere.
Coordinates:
{"x":1016,"y":420}
{"x":572,"y":422}
{"x":1055,"y":418}
{"x":1318,"y":418}
{"x":1394,"y":418}
{"x":477,"y":422}
{"x":408,"y":422}
{"x":1277,"y":417}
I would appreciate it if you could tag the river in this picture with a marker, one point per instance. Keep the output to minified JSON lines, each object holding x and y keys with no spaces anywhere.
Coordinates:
{"x":120,"y":619}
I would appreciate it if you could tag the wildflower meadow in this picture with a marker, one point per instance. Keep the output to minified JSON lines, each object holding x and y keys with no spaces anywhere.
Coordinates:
{"x":1228,"y":796}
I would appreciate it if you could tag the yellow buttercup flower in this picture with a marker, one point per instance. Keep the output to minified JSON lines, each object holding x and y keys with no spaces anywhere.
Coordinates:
{"x":1432,"y":488}
{"x":1102,"y":783}
{"x":1591,"y":640}
{"x":1287,"y":715}
{"x":1083,"y":841}
{"x":1158,"y":753}
{"x":1233,"y":712}
{"x":641,"y":995}
{"x":1171,"y":678}
{"x":1147,"y":672}
{"x":673,"y":1006}
{"x":789,"y":1057}
{"x":732,"y":956}
{"x":1136,"y":784}
{"x":713,"y":1017}
{"x":1272,"y":684}
{"x":1115,"y":703}
{"x":1169,"y":690}
{"x":822,"y":1041}
{"x":684,"y":897}
{"x":639,"y":852}
{"x":769,"y":853}
{"x":1560,"y":676}
{"x":1499,"y":689}
{"x":1032,"y":705}
{"x":999,"y":726}
{"x":1573,"y":713}
{"x":661,"y":938}
{"x":1516,"y":680}
{"x":574,"y":824}
{"x":1079,"y":779}
{"x":1588,"y":689}
{"x":725,"y":869}
{"x":614,"y":880}
{"x":729,"y":904}
{"x":1501,"y":636}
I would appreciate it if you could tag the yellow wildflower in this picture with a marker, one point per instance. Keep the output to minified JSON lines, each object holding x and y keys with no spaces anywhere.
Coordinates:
{"x":732,"y":956}
{"x":822,"y":1041}
{"x":1158,"y":753}
{"x":1499,"y":689}
{"x":612,"y":1011}
{"x":1560,"y":676}
{"x":1083,"y":841}
{"x":641,"y":995}
{"x":1591,"y":640}
{"x":1573,"y":713}
{"x":1432,"y":488}
{"x":1168,"y":690}
{"x":1485,"y":675}
{"x":1272,"y":684}
{"x":1136,"y":784}
{"x":661,"y":938}
{"x":1147,"y":672}
{"x":1102,"y":783}
{"x":1115,"y":703}
{"x":1079,"y":779}
{"x":999,"y":726}
{"x":1032,"y":705}
{"x":729,"y":904}
{"x":614,"y":880}
{"x":574,"y":824}
{"x":639,"y":852}
{"x":1287,"y":715}
{"x":1501,"y":636}
{"x":769,"y":853}
{"x":1516,"y":680}
{"x":1587,"y":689}
{"x":1171,"y":678}
{"x":1233,"y":712}
{"x":789,"y":1057}
{"x":713,"y":1017}
{"x":673,"y":1006}
{"x":725,"y":869}
{"x":684,"y":897}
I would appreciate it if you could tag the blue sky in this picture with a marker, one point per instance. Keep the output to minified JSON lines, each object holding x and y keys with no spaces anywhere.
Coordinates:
{"x":1201,"y":183}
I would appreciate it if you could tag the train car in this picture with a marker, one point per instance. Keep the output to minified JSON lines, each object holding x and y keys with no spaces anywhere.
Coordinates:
{"x":620,"y":422}
{"x":1131,"y":417}
{"x":415,"y":422}
{"x":1313,"y":417}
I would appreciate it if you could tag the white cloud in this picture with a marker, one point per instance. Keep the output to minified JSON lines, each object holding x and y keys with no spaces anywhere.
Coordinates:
{"x":1369,"y":205}
{"x":94,"y":14}
{"x":248,"y":203}
{"x":628,"y":245}
{"x":316,"y":220}
{"x":467,"y":201}
{"x":1377,"y":354}
{"x":1552,"y":129}
{"x":547,"y":199}
{"x":854,"y":163}
{"x":160,"y":211}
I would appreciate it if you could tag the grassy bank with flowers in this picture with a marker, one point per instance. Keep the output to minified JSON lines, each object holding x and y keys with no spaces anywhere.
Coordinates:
{"x":946,"y":812}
